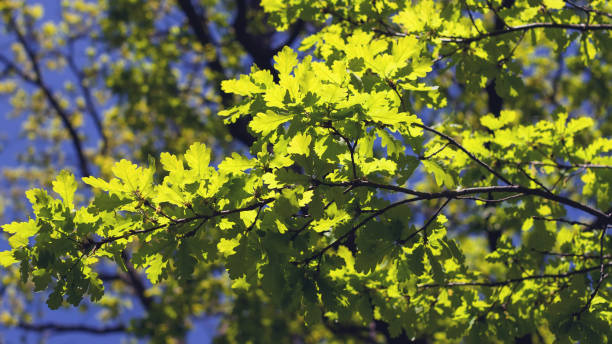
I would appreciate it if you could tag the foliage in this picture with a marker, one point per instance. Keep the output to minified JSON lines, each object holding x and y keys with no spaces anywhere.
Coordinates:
{"x":375,"y":203}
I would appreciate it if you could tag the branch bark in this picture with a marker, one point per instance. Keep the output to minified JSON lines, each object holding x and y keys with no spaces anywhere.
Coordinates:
{"x":197,"y":22}
{"x":527,"y":27}
{"x":71,"y":328}
{"x":61,"y":112}
{"x":514,"y":280}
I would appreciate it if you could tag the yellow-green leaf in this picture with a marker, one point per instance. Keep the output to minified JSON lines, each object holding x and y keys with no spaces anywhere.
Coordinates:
{"x":65,"y":186}
{"x":300,"y":144}
{"x":22,"y":231}
{"x":198,"y":158}
{"x":554,"y":4}
{"x":155,"y":265}
{"x":242,"y":86}
{"x":226,"y":246}
{"x":494,"y":123}
{"x":7,"y":259}
{"x":285,"y":60}
{"x":126,"y":171}
{"x":442,"y":177}
{"x":237,"y":163}
{"x":265,"y":123}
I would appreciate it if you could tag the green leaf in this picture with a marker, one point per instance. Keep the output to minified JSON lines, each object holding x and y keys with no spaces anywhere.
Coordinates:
{"x":554,"y":4}
{"x":128,"y":173}
{"x":41,"y":279}
{"x":155,"y":264}
{"x":265,"y":123}
{"x":198,"y":159}
{"x":226,"y":246}
{"x":55,"y":299}
{"x":442,"y":177}
{"x":165,"y":193}
{"x":506,"y":117}
{"x":285,"y":60}
{"x":7,"y":259}
{"x":22,"y":231}
{"x":119,"y":261}
{"x":109,"y":202}
{"x":579,"y":124}
{"x":403,"y":49}
{"x":101,"y":184}
{"x":174,"y":166}
{"x":65,"y":186}
{"x":300,"y":144}
{"x":237,"y":163}
{"x":242,"y":86}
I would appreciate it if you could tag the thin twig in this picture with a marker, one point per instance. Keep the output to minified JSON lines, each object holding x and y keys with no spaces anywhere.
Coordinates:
{"x":558,"y":219}
{"x":513,"y":280}
{"x":337,"y":242}
{"x":602,"y":274}
{"x":575,"y":255}
{"x":526,"y":27}
{"x":427,"y":157}
{"x":469,"y":11}
{"x":458,"y":145}
{"x":424,"y":228}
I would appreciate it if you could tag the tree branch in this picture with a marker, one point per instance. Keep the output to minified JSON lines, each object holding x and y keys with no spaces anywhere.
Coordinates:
{"x":91,"y":107}
{"x":105,"y":241}
{"x":527,"y":27}
{"x":559,"y":220}
{"x":605,"y":218}
{"x":472,"y":156}
{"x":64,"y":116}
{"x":257,"y":46}
{"x":238,"y":129}
{"x":337,"y":242}
{"x":602,"y":273}
{"x":513,"y":280}
{"x":424,"y":228}
{"x":71,"y":328}
{"x":136,"y":283}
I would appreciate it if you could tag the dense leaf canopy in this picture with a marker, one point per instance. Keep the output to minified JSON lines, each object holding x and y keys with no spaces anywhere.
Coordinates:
{"x":434,"y":171}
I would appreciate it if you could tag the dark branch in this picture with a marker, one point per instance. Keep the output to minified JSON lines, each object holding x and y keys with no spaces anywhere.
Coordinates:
{"x":559,"y":220}
{"x":605,"y":218}
{"x":136,"y":282}
{"x":178,"y":222}
{"x":91,"y":107}
{"x":527,"y":27}
{"x":338,"y":241}
{"x":197,"y":22}
{"x":514,"y":280}
{"x":64,"y":116}
{"x":257,"y":46}
{"x":424,"y":228}
{"x":72,"y":328}
{"x":472,"y":156}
